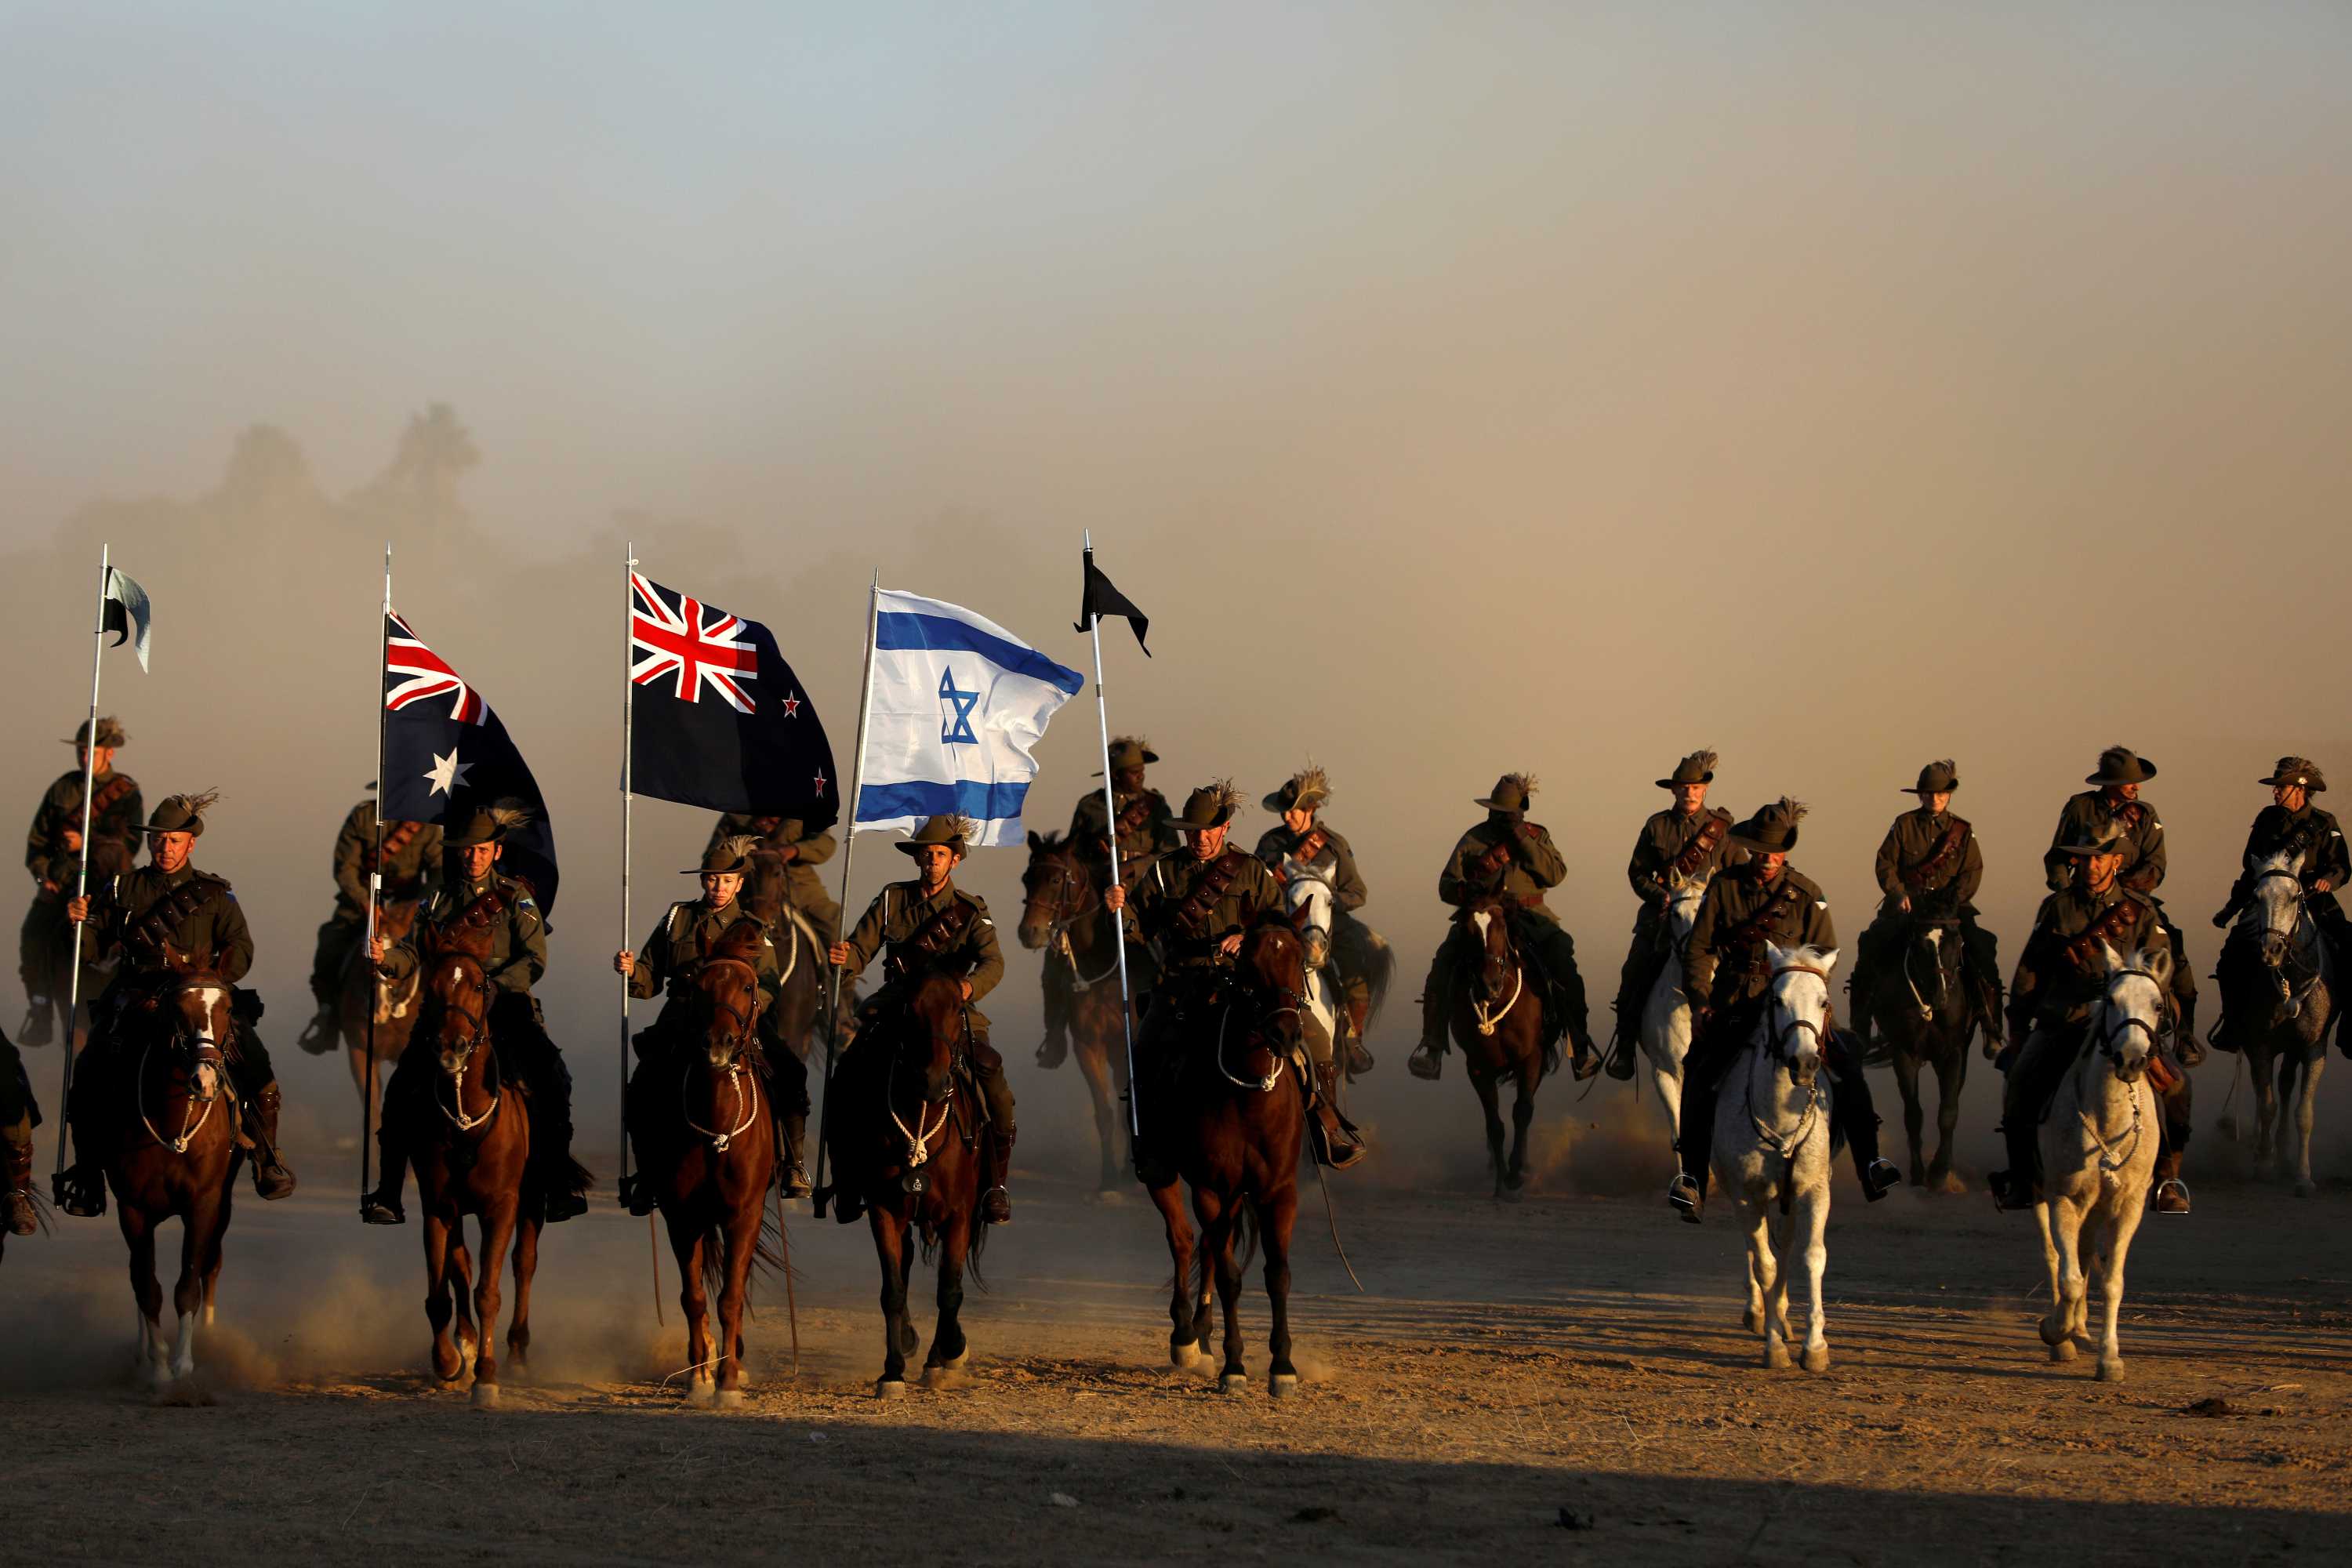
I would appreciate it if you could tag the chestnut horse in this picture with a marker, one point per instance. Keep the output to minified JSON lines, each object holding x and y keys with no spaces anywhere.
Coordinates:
{"x":470,"y":1146}
{"x":394,"y":1005}
{"x":1063,"y":913}
{"x":1496,"y":1017}
{"x":172,"y":1151}
{"x":705,"y":1133}
{"x":1234,"y":1129}
{"x":908,"y":1140}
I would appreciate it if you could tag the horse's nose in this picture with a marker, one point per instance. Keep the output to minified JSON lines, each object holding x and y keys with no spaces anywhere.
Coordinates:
{"x":935,"y":1084}
{"x":720,"y":1053}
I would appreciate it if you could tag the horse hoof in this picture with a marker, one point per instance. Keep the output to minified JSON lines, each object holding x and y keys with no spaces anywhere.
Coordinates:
{"x":1233,"y":1382}
{"x":1817,"y":1358}
{"x":1509,"y":1195}
{"x":2111,"y":1372}
{"x":1775,"y":1357}
{"x":957,"y":1361}
{"x":2063,"y":1352}
{"x":1752,"y":1321}
{"x":732,"y":1399}
{"x":2052,"y":1335}
{"x":1951,"y":1186}
{"x":2306,"y":1189}
{"x":1187,"y":1357}
{"x":889,"y":1388}
{"x":702,"y":1392}
{"x":486,"y":1397}
{"x":1282,"y":1384}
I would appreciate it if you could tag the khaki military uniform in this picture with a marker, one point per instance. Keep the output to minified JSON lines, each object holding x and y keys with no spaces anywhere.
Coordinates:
{"x":1191,"y":965}
{"x":412,"y":869}
{"x":1515,"y":860}
{"x":2316,"y":835}
{"x":45,"y":942}
{"x":665,"y":967}
{"x":898,"y":914}
{"x":1355,"y":947}
{"x":1674,"y":848}
{"x":1143,"y":834}
{"x":2050,"y":1001}
{"x":775,"y":879}
{"x":1920,"y":860}
{"x":2088,"y":817}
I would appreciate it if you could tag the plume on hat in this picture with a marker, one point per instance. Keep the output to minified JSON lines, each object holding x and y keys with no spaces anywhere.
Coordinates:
{"x":1705,"y":759}
{"x":199,"y":804}
{"x":1141,"y":742}
{"x":967,"y":830}
{"x":739,"y":845}
{"x":510,"y":815}
{"x":1310,"y":780}
{"x":1794,"y":810}
{"x":1526,"y":782}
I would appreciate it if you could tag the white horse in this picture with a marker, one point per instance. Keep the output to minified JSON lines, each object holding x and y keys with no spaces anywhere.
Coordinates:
{"x":1313,"y":905}
{"x":1665,"y":1031}
{"x":1772,"y":1148}
{"x":2277,"y":1009}
{"x":2099,"y":1152}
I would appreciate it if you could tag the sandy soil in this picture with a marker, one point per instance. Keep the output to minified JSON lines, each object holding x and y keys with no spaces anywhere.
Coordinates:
{"x":1507,"y":1369}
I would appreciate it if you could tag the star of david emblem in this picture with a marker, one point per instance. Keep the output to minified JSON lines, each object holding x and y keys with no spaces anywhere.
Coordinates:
{"x":955,"y":712}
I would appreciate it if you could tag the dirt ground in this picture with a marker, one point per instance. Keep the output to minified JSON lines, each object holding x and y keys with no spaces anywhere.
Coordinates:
{"x":1565,"y":1377}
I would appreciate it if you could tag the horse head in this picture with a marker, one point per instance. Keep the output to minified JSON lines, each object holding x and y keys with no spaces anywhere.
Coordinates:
{"x":2131,"y":1008}
{"x":1272,"y":979}
{"x":459,"y":989}
{"x":1487,"y":921}
{"x":2274,"y":906}
{"x":193,"y":1008}
{"x":1797,"y":1011}
{"x":1683,"y":899}
{"x":1935,"y":942}
{"x":1056,"y":889}
{"x":1307,"y":894}
{"x":936,"y":1011}
{"x":727,"y":994}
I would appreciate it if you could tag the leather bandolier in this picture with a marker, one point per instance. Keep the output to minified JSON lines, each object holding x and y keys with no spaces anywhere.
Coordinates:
{"x":1702,"y":845}
{"x":394,"y":841}
{"x":932,"y":937}
{"x":1946,"y":851}
{"x":1192,"y":917}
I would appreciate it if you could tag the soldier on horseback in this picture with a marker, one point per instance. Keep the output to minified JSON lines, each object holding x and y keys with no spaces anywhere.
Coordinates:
{"x":2060,"y":976}
{"x":1514,"y":858}
{"x":19,"y":1114}
{"x":2291,"y":825}
{"x":53,"y":853}
{"x":411,"y":868}
{"x":164,"y":908}
{"x":1929,"y":868}
{"x":1303,"y":836}
{"x":782,"y":869}
{"x":920,"y":927}
{"x":2114,"y":801}
{"x":479,"y":894}
{"x":1195,"y":905}
{"x":1686,"y":841}
{"x":1143,"y":832}
{"x":1748,"y":909}
{"x":688,"y":934}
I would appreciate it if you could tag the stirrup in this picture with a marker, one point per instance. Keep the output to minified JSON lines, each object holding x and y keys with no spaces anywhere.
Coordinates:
{"x":272,"y":1181}
{"x":2170,"y":1185}
{"x":1875,"y":1186}
{"x":73,"y":1190}
{"x":1621,"y":1059}
{"x":638,"y":1195}
{"x":318,"y":1036}
{"x":1427,"y":1061}
{"x":996,"y":1206}
{"x":1683,"y":1192}
{"x":379,"y":1208}
{"x":561,"y":1204}
{"x":796,"y":1181}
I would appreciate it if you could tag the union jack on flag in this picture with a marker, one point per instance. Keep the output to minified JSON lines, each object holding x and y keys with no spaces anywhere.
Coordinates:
{"x":679,"y":636}
{"x":413,"y":672}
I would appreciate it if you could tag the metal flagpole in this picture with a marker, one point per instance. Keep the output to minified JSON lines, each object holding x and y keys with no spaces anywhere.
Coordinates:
{"x":81,"y":878}
{"x":1110,"y":823}
{"x":848,"y":854}
{"x":628,"y":747}
{"x":370,"y":1107}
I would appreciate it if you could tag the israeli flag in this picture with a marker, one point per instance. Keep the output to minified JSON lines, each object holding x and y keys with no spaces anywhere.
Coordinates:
{"x":958,"y":704}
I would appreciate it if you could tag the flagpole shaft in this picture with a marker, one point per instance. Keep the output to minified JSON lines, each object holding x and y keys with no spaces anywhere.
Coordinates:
{"x":628,"y":801}
{"x":1110,"y":823}
{"x":81,"y":877}
{"x":849,"y":857}
{"x":369,"y":1110}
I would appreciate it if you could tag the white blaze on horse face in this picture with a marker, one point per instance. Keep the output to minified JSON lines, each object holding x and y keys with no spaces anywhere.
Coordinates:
{"x":1479,"y":918}
{"x":212,"y":998}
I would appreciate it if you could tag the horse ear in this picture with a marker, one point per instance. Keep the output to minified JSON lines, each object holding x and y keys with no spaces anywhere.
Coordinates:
{"x":2159,"y":964}
{"x":1774,"y":952}
{"x":1828,"y":958}
{"x":1036,"y":841}
{"x":2115,"y":961}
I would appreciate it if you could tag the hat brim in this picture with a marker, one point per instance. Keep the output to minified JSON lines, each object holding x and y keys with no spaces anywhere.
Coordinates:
{"x":909,"y":845}
{"x":1224,"y":819}
{"x":1676,"y":784}
{"x":2147,"y":772}
{"x":193,"y":830}
{"x":1782,"y":847}
{"x":2307,"y":783}
{"x":1497,"y":805}
{"x":739,"y":871}
{"x":1931,"y":789}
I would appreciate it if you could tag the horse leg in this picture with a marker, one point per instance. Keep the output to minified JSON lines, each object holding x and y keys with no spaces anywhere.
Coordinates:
{"x":742,"y":1235}
{"x":890,"y":1248}
{"x":2066,"y":1222}
{"x":526,"y":1269}
{"x":218,"y":1252}
{"x":197,"y":1228}
{"x":1093,"y":1066}
{"x":448,"y":1365}
{"x":2305,"y":1107}
{"x":461,"y":1275}
{"x":2266,"y":1105}
{"x":685,"y":1244}
{"x":2122,"y":1221}
{"x":1184,"y":1335}
{"x":1217,"y":1215}
{"x":1275,"y":1221}
{"x":1951,"y":1078}
{"x":1767,"y":1292}
{"x":948,"y":1351}
{"x":150,"y":1361}
{"x":1523,"y":1111}
{"x":1907,"y":1083}
{"x":498,"y":1235}
{"x":1812,"y":1220}
{"x":1485,"y":1086}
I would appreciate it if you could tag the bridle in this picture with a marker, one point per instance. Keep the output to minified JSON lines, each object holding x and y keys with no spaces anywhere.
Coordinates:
{"x":2294,"y":986}
{"x":925,"y":1132}
{"x":738,"y":1034}
{"x":1949,"y":938}
{"x":1066,"y":915}
{"x":1779,"y":1049}
{"x":1485,"y":1013}
{"x":477,"y":1036}
{"x":205,"y":1065}
{"x":2116,"y":1154}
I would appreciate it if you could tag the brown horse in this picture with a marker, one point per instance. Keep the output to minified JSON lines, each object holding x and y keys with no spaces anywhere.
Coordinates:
{"x":395,"y":1005}
{"x":1234,"y":1129}
{"x":53,"y":955}
{"x":1922,"y":1002}
{"x":909,"y":1142}
{"x":172,"y":1150}
{"x":705,"y":1133}
{"x":1496,"y":1017}
{"x":1061,"y":912}
{"x":469,"y":1141}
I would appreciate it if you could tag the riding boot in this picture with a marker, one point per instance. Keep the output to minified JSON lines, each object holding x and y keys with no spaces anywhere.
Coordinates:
{"x":40,"y":1021}
{"x":271,"y":1179}
{"x":1858,"y":1019}
{"x":996,"y":1203}
{"x":550,"y":1139}
{"x":1428,"y":1059}
{"x":80,"y":1188}
{"x":2170,"y":1193}
{"x":1337,"y":1143}
{"x":1359,"y":1013}
{"x":17,"y":1215}
{"x":1056,"y":1049}
{"x":2033,"y":1077}
{"x":382,"y":1207}
{"x":1702,"y":1074}
{"x":2185,"y":1043}
{"x":796,"y":1176}
{"x":1854,"y":1116}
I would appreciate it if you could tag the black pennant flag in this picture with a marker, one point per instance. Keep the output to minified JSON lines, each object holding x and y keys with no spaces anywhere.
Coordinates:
{"x":1103,"y":598}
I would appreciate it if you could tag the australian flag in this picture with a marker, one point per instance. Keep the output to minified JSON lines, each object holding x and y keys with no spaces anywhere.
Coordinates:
{"x":446,"y":755}
{"x":717,"y":718}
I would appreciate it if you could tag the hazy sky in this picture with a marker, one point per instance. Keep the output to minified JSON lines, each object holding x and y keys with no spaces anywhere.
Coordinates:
{"x":1462,"y":387}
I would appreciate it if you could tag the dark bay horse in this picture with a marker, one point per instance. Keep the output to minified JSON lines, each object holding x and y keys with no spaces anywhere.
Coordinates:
{"x":53,"y":955}
{"x":704,"y":1131}
{"x":394,"y":1005}
{"x":1497,"y":1016}
{"x":172,"y":1132}
{"x":2278,"y":997}
{"x":1234,"y":1129}
{"x":1925,"y":1009}
{"x":1062,"y":912}
{"x":906,"y":1136}
{"x":468,"y":1135}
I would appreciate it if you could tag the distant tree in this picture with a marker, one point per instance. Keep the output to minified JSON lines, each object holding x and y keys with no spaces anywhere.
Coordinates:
{"x":422,"y":478}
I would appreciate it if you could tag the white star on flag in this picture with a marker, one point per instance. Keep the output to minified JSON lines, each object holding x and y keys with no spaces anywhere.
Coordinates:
{"x":448,"y":772}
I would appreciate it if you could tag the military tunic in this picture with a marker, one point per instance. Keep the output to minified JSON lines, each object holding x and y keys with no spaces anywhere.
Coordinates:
{"x":2049,"y":987}
{"x":1529,"y":866}
{"x":1250,"y":894}
{"x":1731,"y":971}
{"x":803,"y":888}
{"x":900,"y":912}
{"x":1665,"y":837}
{"x":1348,"y":888}
{"x":1149,"y":833}
{"x":518,"y":954}
{"x":216,"y":926}
{"x":2316,"y":835}
{"x":412,"y":864}
{"x":1946,"y":889}
{"x":116,"y":819}
{"x":2088,"y":816}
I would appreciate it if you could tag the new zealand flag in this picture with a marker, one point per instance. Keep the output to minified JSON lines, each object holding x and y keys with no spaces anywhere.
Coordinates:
{"x":446,"y":755}
{"x":719,"y":718}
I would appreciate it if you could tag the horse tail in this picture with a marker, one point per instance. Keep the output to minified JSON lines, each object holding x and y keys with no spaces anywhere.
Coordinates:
{"x":1246,"y":1224}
